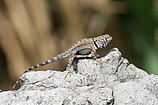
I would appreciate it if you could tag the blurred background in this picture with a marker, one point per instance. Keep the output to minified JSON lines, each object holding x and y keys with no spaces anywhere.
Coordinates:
{"x":32,"y":31}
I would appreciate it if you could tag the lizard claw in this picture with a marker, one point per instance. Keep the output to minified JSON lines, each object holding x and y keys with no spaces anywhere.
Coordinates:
{"x":70,"y":71}
{"x":95,"y":56}
{"x":99,"y":62}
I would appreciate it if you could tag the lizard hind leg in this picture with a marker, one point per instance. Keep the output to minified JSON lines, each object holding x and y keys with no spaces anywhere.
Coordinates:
{"x":83,"y":53}
{"x":70,"y":67}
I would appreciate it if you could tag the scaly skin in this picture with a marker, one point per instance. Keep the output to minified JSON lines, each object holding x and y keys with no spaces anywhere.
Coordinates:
{"x":83,"y":48}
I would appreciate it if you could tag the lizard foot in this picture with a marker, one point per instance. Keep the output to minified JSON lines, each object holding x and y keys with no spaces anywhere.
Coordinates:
{"x":95,"y":56}
{"x":70,"y":71}
{"x":99,"y":62}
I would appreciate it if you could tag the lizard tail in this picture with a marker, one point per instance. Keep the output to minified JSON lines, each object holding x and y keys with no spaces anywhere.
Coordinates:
{"x":60,"y":56}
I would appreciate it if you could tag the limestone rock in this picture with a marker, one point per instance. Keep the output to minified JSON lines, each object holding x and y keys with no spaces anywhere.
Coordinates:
{"x":109,"y":80}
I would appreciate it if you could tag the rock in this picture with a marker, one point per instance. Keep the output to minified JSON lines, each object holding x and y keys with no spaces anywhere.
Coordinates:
{"x":109,"y":80}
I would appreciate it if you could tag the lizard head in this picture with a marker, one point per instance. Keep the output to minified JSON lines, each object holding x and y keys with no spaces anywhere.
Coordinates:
{"x":102,"y":41}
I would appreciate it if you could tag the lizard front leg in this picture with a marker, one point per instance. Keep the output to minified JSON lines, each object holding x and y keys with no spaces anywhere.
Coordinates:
{"x":94,"y":54}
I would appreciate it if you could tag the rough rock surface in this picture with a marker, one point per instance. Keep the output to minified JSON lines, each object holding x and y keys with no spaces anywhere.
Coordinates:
{"x":109,"y":80}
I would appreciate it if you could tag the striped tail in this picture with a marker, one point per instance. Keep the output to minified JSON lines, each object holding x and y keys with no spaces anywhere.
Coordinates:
{"x":61,"y":56}
{"x":54,"y":59}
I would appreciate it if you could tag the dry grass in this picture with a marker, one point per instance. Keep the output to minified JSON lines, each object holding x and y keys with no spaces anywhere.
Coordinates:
{"x":35,"y":30}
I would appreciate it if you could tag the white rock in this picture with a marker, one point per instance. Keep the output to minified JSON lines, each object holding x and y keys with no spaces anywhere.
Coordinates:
{"x":109,"y":80}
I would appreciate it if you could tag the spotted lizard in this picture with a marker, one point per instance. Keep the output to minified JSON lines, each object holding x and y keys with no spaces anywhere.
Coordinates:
{"x":83,"y":48}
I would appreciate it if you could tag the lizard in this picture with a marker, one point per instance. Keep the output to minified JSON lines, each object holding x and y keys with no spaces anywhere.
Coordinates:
{"x":83,"y":48}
